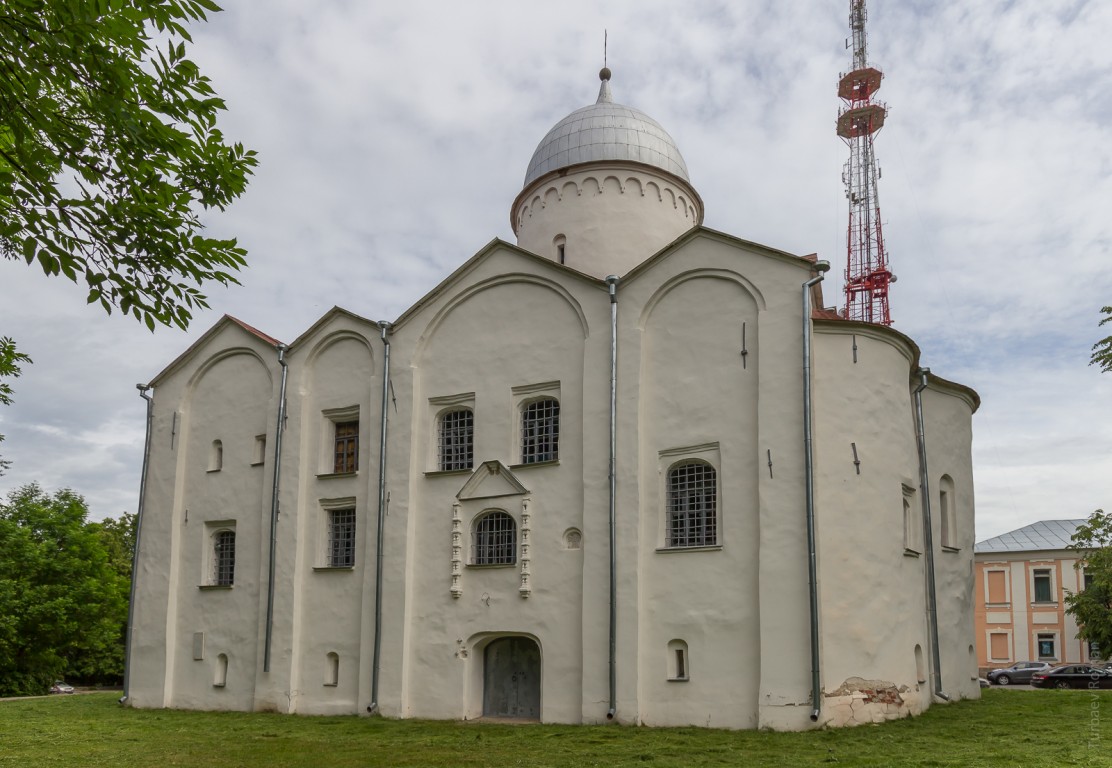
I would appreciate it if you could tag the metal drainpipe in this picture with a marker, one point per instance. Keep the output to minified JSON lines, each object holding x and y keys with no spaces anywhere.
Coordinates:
{"x":385,"y":328}
{"x":282,"y":348}
{"x":809,"y":471}
{"x":143,"y":389}
{"x":612,"y":282}
{"x":928,"y":535}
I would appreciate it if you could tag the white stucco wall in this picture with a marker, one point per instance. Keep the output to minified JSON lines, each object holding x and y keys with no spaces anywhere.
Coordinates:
{"x":505,"y":328}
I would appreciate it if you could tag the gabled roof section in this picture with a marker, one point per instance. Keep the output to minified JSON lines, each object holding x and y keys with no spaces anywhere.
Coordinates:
{"x":1036,"y":537}
{"x":491,"y":479}
{"x":326,"y":318}
{"x":206,"y":337}
{"x":254,"y":331}
{"x":713,"y":234}
{"x":484,"y":253}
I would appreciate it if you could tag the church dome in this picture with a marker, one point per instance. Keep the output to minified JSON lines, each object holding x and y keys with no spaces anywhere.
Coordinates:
{"x":605,"y":131}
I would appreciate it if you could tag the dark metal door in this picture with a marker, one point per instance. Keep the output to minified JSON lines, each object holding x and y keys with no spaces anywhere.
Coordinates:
{"x":512,"y":678}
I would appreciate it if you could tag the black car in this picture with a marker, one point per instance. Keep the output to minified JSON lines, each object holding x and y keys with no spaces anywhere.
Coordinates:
{"x":1020,"y":672}
{"x":1073,"y":676}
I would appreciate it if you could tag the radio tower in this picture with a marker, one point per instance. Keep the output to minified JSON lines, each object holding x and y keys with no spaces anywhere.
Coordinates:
{"x":867,"y":273}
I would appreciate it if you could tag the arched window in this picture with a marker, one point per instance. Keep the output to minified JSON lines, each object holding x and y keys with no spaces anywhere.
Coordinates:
{"x":946,"y":513}
{"x":678,"y":665}
{"x":692,"y":505}
{"x":456,"y":440}
{"x":224,"y":558}
{"x":494,"y":540}
{"x":332,"y":669}
{"x":561,"y":244}
{"x":540,"y":431}
{"x":220,"y":677}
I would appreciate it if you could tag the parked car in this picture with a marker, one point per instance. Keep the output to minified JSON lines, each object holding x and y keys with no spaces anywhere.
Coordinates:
{"x":1073,"y":676}
{"x":1020,"y":672}
{"x":61,"y":686}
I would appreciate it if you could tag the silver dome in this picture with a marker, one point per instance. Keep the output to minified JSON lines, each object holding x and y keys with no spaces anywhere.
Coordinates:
{"x":606,"y":131}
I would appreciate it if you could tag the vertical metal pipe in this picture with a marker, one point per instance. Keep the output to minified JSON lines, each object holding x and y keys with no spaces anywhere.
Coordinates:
{"x":612,"y":282}
{"x":143,"y":389}
{"x":928,"y":534}
{"x":809,"y":472}
{"x":376,"y":659}
{"x":282,"y":348}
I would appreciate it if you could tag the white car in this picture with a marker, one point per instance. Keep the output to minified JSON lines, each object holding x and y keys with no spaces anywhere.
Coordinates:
{"x":61,"y":686}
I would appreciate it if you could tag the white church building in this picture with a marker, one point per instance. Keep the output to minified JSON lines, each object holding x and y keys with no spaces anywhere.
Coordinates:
{"x":625,"y":469}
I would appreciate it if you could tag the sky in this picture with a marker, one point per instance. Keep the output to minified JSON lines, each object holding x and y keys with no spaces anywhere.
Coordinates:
{"x":393,"y":137}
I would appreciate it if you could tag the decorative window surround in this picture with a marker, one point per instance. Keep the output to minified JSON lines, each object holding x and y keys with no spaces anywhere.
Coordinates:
{"x":457,"y":551}
{"x":526,"y":587}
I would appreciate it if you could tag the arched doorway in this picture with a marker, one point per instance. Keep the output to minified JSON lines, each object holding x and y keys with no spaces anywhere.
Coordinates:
{"x":512,"y":678}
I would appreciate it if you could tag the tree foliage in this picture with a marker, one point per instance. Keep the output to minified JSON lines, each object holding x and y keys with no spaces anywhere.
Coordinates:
{"x":63,"y":598}
{"x":109,"y":151}
{"x":1092,"y":606}
{"x":10,"y":358}
{"x":1102,"y":350}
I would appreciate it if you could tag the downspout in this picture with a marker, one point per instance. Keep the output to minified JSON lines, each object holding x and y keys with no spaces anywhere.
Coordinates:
{"x":143,"y":389}
{"x":928,"y":535}
{"x":612,"y":282}
{"x":385,"y":329}
{"x":809,"y":471}
{"x":282,"y":348}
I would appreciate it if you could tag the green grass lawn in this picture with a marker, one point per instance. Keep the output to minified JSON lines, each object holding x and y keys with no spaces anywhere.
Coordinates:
{"x":1005,"y":728}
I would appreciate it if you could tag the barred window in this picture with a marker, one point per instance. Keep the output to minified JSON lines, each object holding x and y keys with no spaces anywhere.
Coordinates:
{"x":540,"y":431}
{"x":495,"y":540}
{"x":224,"y":559}
{"x":346,"y":453}
{"x":456,"y":440}
{"x":692,"y":504}
{"x":341,"y":538}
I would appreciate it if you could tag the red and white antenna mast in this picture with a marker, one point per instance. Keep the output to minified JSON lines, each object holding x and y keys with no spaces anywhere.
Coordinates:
{"x":867,"y":273}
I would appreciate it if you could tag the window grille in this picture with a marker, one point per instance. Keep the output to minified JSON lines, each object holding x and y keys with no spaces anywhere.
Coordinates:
{"x":346,"y":454}
{"x":540,"y":431}
{"x":692,"y":504}
{"x":495,"y":541}
{"x":456,"y":440}
{"x":224,"y":559}
{"x":341,"y":538}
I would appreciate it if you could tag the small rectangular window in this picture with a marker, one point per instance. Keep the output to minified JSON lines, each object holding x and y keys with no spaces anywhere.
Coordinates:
{"x":692,"y":500}
{"x":1088,"y":580}
{"x":346,"y":453}
{"x":998,"y":646}
{"x":258,"y":453}
{"x":540,"y":431}
{"x":341,"y":538}
{"x":911,"y":523}
{"x":997,"y":587}
{"x":1043,"y":592}
{"x":224,"y":559}
{"x":456,"y":440}
{"x":1046,"y":646}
